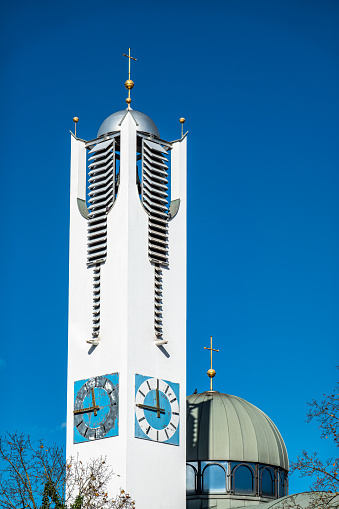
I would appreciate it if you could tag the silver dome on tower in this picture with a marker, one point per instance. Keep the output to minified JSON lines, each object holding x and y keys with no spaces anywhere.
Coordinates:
{"x":144,"y":122}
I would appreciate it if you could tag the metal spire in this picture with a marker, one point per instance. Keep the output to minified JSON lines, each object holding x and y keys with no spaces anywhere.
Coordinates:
{"x":211,"y":371}
{"x":129,"y":83}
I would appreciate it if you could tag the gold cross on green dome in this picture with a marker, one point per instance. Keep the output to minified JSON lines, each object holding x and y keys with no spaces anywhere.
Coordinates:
{"x":211,"y":371}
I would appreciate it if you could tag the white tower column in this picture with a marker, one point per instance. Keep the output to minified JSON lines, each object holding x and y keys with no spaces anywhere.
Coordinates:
{"x":148,"y":463}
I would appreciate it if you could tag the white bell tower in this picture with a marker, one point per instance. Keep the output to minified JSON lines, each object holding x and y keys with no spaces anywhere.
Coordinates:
{"x":127,"y":307}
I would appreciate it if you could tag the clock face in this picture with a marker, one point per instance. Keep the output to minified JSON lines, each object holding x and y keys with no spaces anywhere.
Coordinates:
{"x":96,"y":408}
{"x":156,"y":410}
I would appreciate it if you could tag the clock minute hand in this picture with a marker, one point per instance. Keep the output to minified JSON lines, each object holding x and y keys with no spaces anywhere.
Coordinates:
{"x":148,"y":407}
{"x":157,"y":399}
{"x":93,"y":402}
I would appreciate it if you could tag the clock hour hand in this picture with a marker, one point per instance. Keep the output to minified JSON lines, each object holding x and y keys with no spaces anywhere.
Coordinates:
{"x":89,"y":409}
{"x":148,"y":407}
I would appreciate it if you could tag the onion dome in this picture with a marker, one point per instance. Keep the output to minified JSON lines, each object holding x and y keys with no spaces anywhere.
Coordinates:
{"x":144,"y":122}
{"x":225,"y":427}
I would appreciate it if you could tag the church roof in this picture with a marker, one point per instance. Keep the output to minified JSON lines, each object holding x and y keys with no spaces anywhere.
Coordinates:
{"x":224,"y":427}
{"x":144,"y":122}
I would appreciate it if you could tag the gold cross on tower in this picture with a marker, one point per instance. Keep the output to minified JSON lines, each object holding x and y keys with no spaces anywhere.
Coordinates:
{"x":129,"y":83}
{"x":211,"y":372}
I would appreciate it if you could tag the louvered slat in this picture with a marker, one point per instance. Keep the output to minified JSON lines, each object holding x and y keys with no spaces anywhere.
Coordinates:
{"x":101,"y":193}
{"x":155,"y":200}
{"x":101,"y":198}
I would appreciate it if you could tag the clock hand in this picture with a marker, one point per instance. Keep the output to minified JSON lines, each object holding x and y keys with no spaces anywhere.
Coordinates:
{"x":84,"y":410}
{"x":157,"y":399}
{"x":93,"y":402}
{"x":148,"y":407}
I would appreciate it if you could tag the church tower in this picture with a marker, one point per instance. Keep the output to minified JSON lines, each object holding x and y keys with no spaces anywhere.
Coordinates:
{"x":127,"y":307}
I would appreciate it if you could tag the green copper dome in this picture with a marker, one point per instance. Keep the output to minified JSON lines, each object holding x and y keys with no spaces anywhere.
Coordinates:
{"x":224,"y":427}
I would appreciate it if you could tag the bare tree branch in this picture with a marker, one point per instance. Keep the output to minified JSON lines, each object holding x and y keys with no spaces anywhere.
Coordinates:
{"x":324,"y":473}
{"x":33,"y":476}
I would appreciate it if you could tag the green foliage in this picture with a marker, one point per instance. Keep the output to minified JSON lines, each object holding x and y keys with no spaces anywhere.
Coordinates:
{"x":50,"y":496}
{"x":78,"y":503}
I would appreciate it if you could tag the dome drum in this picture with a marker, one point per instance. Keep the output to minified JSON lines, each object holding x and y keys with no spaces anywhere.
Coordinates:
{"x":235,"y":478}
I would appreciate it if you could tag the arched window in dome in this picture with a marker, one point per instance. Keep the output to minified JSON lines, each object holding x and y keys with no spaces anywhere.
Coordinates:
{"x":282,"y":484}
{"x":191,"y":479}
{"x":266,"y":482}
{"x":242,"y":479}
{"x":214,"y":479}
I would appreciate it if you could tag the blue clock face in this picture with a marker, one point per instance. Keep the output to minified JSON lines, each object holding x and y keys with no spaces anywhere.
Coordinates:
{"x":96,"y":408}
{"x":156,"y":410}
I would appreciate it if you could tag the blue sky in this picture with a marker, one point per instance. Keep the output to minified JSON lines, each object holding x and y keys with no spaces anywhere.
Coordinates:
{"x":257,"y":83}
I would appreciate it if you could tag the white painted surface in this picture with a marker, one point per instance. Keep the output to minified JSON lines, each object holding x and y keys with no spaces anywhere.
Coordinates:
{"x":153,"y":473}
{"x":79,"y":161}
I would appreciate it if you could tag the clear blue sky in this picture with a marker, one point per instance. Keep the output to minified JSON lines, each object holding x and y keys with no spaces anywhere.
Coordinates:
{"x":258,"y":84}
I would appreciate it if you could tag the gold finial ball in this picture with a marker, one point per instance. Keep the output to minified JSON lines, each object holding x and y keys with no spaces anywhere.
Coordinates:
{"x":181,"y":120}
{"x":129,"y":84}
{"x":75,"y":119}
{"x":211,"y":372}
{"x":128,"y":100}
